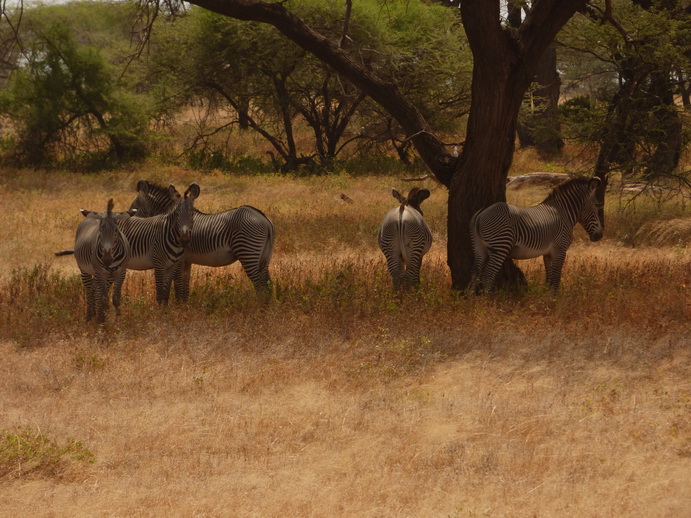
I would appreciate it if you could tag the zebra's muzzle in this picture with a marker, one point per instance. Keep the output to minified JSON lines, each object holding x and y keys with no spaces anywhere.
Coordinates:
{"x":107,"y":258}
{"x":185,"y":237}
{"x":596,"y":236}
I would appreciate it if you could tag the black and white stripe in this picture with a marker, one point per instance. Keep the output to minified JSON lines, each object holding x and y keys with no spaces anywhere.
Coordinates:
{"x":405,"y":238}
{"x":503,"y":230}
{"x":102,"y":252}
{"x":243,"y":234}
{"x":159,"y":242}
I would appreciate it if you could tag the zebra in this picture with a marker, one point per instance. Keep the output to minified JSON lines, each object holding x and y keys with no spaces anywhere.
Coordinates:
{"x":405,"y":238}
{"x":242,"y":234}
{"x":102,"y":252}
{"x":503,"y":230}
{"x":159,"y":242}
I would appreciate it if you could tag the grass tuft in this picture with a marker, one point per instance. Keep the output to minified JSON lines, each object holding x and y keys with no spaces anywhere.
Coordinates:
{"x":30,"y":453}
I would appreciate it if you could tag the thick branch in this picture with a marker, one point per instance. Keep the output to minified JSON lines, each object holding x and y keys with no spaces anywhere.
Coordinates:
{"x":383,"y":92}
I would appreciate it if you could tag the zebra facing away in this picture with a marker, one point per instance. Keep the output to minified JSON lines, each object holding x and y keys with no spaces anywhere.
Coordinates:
{"x":159,"y":242}
{"x":405,"y":238}
{"x":502,"y":230}
{"x":242,"y":234}
{"x":102,"y":253}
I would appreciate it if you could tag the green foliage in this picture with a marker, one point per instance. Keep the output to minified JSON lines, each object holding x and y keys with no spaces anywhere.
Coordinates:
{"x":64,"y":105}
{"x":68,"y":101}
{"x":27,"y":452}
{"x":237,"y":73}
{"x":630,"y":109}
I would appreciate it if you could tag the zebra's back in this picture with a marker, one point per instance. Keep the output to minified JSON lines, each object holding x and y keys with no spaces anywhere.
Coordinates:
{"x":220,"y":239}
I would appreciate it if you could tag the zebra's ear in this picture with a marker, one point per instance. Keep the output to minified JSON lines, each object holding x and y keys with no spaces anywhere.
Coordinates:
{"x":130,"y":212}
{"x":192,"y":191}
{"x":398,"y":196}
{"x":593,"y":184}
{"x":85,"y":212}
{"x":422,"y":195}
{"x":143,"y":187}
{"x":173,"y":191}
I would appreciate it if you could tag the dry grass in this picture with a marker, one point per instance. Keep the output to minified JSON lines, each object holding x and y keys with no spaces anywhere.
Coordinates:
{"x":339,"y":398}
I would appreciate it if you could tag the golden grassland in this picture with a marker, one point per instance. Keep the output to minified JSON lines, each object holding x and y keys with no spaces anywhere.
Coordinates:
{"x":341,"y":398}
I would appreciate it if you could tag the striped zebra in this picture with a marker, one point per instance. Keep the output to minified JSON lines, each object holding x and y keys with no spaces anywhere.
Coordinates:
{"x":242,"y":234}
{"x":102,"y":252}
{"x":405,"y":238}
{"x":159,"y":242}
{"x":502,"y":230}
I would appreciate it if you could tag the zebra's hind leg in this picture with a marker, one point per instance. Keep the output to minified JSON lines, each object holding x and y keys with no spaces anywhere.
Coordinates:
{"x":258,"y":275}
{"x":475,"y":286}
{"x":494,"y":262}
{"x":411,"y":277}
{"x":395,"y":267}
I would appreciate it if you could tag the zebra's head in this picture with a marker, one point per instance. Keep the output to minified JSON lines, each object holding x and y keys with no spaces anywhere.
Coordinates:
{"x":153,"y":199}
{"x":414,"y":199}
{"x":184,"y":210}
{"x":109,"y":237}
{"x":590,"y":209}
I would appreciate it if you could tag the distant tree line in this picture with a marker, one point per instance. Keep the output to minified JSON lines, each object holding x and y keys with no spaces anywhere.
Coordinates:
{"x":82,"y":87}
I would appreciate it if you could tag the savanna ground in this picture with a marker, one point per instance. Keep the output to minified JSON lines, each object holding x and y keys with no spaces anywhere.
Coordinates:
{"x":341,"y":398}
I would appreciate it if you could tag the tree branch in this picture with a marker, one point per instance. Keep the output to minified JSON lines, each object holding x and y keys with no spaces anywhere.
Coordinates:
{"x":381,"y":91}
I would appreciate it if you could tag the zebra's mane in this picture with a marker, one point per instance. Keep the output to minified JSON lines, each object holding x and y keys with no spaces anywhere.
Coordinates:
{"x":568,"y":185}
{"x":158,"y":191}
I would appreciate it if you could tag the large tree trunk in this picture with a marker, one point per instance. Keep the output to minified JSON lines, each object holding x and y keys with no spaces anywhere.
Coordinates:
{"x":484,"y":163}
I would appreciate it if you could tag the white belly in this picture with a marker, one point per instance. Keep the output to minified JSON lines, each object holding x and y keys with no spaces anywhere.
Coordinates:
{"x":216,"y":258}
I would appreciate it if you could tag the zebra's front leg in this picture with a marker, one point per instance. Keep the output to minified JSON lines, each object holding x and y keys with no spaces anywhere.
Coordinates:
{"x":101,"y":298}
{"x":553,"y":266}
{"x":163,"y":279}
{"x":87,"y":281}
{"x":117,"y":290}
{"x":181,"y":279}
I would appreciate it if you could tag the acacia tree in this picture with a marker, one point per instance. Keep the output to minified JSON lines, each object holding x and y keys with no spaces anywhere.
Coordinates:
{"x":505,"y":61}
{"x":271,"y":82}
{"x":634,"y":119}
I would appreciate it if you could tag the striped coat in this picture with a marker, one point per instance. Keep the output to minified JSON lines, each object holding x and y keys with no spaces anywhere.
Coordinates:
{"x":405,"y":238}
{"x":102,"y":252}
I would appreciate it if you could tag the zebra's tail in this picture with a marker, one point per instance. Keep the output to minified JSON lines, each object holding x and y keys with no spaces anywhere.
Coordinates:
{"x":64,"y":252}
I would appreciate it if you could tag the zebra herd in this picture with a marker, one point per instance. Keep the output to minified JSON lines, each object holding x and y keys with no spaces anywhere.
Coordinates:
{"x":163,"y":231}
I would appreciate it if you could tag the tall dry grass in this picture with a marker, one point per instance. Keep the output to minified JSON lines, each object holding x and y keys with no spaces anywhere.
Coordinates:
{"x":340,"y":397}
